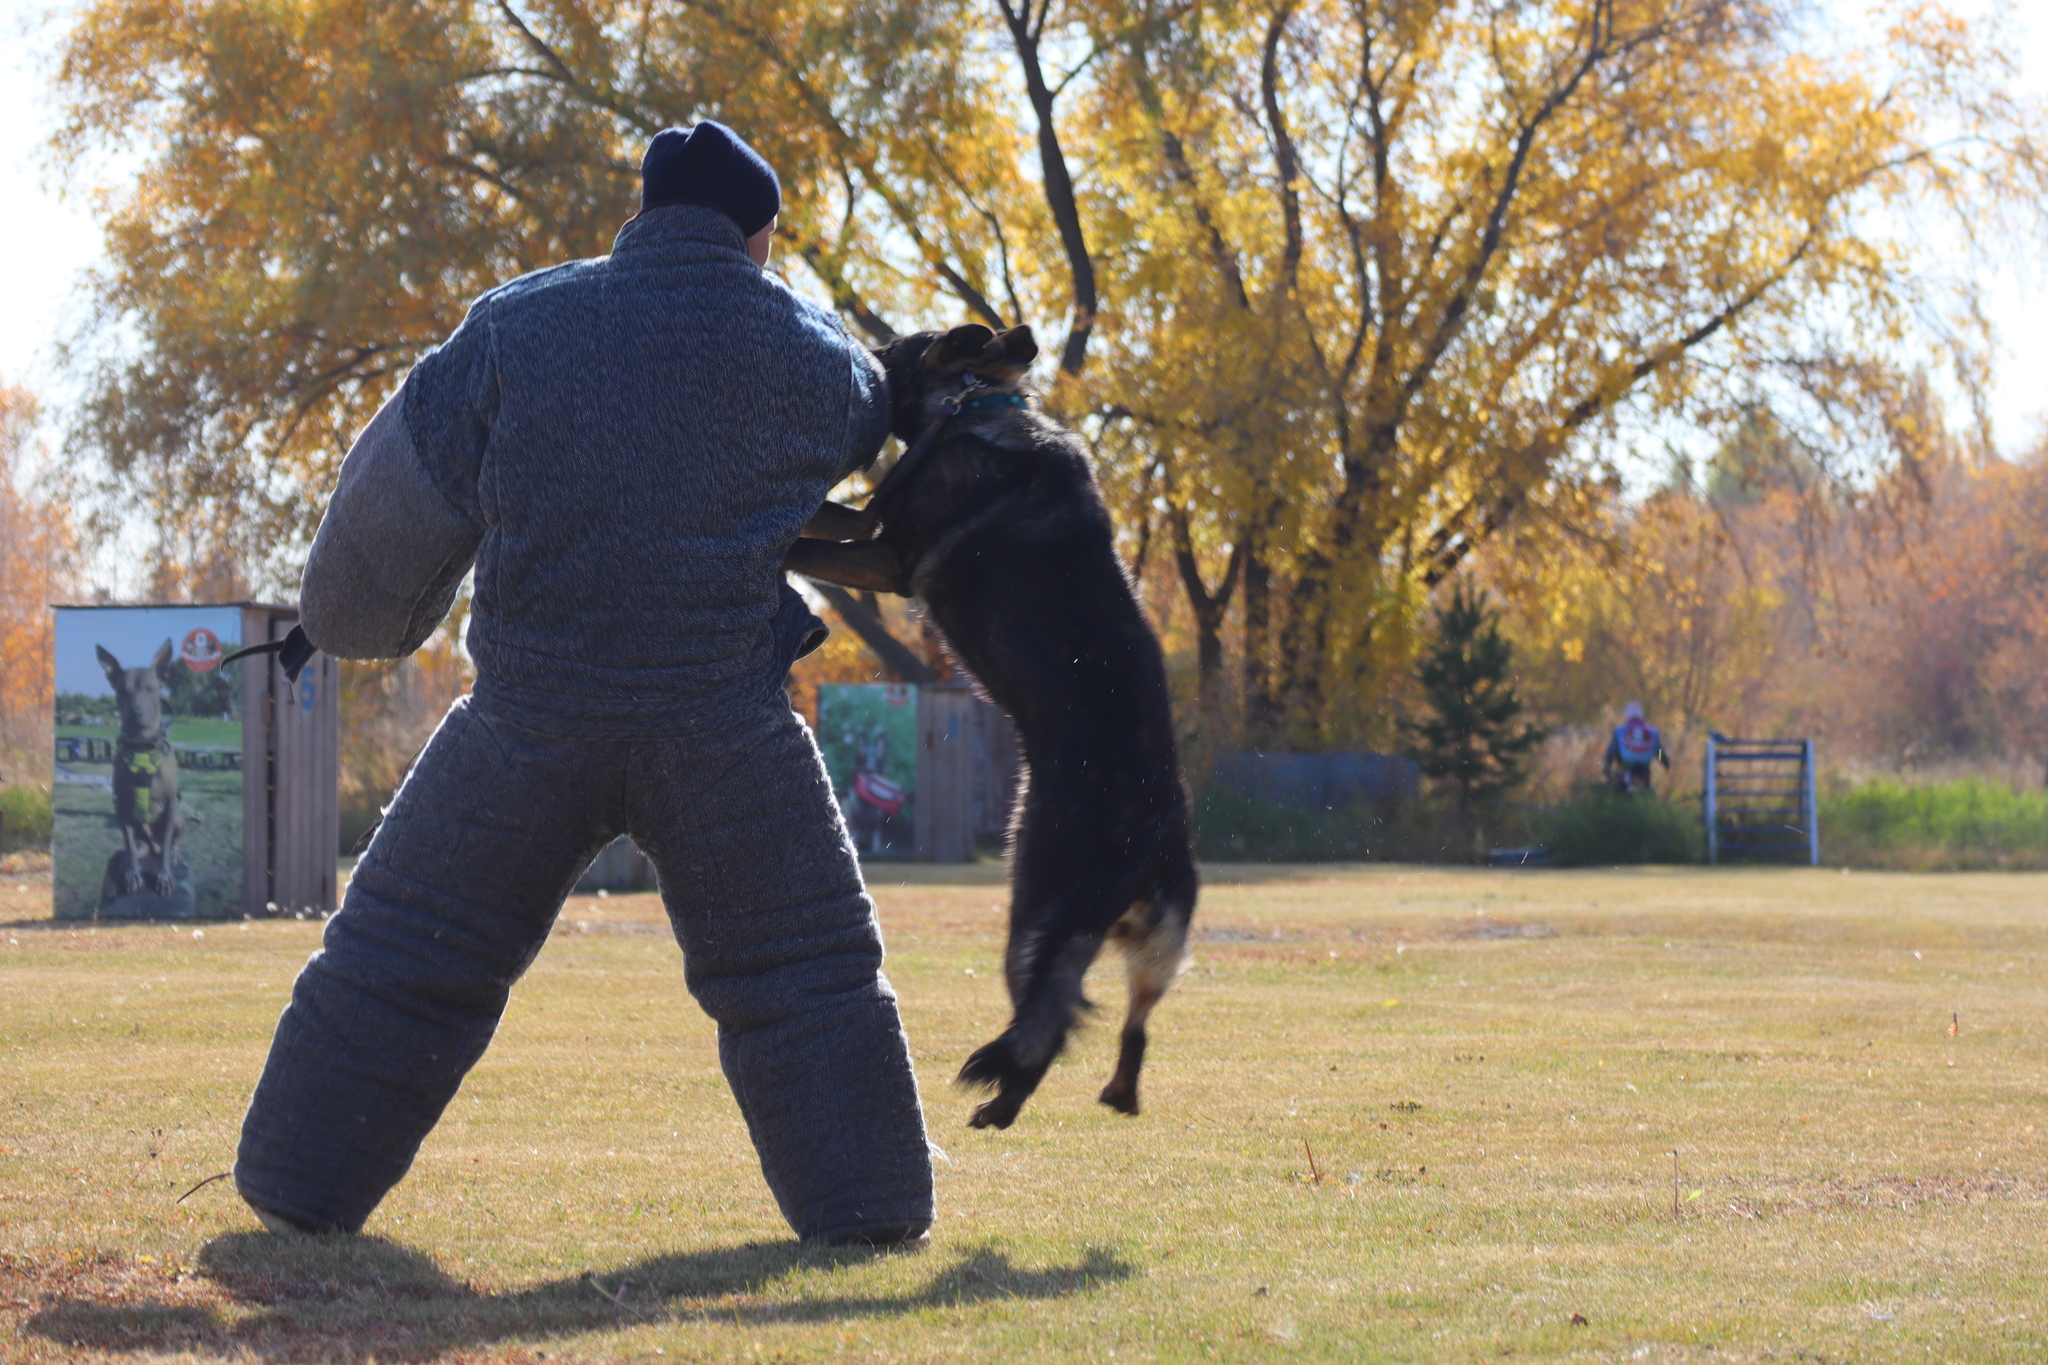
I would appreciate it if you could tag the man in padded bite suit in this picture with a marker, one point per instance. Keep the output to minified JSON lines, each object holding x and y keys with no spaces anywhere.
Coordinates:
{"x":625,"y":448}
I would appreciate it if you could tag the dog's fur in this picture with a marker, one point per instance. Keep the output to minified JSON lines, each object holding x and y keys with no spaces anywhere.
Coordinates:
{"x":145,"y":768}
{"x":1003,"y":533}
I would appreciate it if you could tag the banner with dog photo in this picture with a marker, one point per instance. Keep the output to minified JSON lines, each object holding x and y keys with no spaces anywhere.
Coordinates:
{"x":868,"y":733}
{"x":148,"y":791}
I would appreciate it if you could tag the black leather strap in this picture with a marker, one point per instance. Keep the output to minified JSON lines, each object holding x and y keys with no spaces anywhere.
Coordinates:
{"x":293,"y":652}
{"x":901,"y":472}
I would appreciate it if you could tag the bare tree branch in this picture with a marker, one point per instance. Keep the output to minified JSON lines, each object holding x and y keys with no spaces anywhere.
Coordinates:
{"x":1059,"y":184}
{"x":895,"y":656}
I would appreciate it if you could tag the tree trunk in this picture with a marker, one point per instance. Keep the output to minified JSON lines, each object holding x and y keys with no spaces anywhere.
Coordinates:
{"x":897,"y":658}
{"x":1209,"y":608}
{"x":1300,"y":699}
{"x":1261,"y":715}
{"x":1058,"y":184}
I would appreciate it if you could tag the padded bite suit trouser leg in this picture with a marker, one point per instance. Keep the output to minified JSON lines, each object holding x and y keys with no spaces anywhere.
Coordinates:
{"x":447,"y":908}
{"x":782,"y":949}
{"x":458,"y":892}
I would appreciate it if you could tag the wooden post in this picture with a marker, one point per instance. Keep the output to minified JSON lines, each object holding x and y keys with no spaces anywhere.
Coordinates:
{"x":1812,"y":808}
{"x":1713,"y":831}
{"x":259,"y":768}
{"x":291,"y":761}
{"x":945,"y":773}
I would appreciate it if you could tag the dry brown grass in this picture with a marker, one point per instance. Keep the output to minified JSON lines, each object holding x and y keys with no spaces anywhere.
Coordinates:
{"x":1392,"y":1114}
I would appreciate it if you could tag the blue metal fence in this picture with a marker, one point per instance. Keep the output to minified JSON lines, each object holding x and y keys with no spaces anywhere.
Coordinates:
{"x":1319,"y":781}
{"x":1760,"y":800}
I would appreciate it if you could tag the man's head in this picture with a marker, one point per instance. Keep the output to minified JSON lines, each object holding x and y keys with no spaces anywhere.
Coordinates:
{"x":1633,"y":711}
{"x":710,"y":166}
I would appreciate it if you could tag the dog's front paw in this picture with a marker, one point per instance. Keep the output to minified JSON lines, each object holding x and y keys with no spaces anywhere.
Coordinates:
{"x":134,"y":881}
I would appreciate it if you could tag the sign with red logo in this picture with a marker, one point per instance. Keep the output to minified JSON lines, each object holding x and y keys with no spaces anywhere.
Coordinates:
{"x":201,"y":651}
{"x":148,"y":755}
{"x":867,"y":733}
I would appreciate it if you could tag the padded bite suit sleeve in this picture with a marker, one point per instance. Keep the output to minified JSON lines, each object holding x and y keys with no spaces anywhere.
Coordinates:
{"x":867,"y":418}
{"x":402,"y":527}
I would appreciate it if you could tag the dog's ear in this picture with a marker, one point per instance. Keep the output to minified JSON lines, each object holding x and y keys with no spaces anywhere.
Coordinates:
{"x":109,"y":663}
{"x":162,"y":662}
{"x":1020,"y":347}
{"x":1008,"y":355}
{"x":963,"y":343}
{"x":900,"y":357}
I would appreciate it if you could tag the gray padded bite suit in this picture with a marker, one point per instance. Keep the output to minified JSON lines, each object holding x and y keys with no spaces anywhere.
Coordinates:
{"x":625,"y":448}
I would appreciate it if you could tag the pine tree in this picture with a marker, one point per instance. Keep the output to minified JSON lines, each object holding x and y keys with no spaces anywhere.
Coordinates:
{"x":1471,"y":745}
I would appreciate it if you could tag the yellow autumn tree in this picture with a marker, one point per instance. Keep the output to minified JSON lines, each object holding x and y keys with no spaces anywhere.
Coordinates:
{"x":1341,"y":291}
{"x":1666,"y":607}
{"x":1485,"y":242}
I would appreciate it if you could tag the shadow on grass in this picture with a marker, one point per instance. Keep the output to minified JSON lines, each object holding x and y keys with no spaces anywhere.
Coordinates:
{"x":348,"y":1299}
{"x":45,"y":923}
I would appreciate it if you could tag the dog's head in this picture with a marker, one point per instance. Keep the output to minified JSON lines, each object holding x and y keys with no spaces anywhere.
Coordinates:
{"x":138,"y":690}
{"x":927,"y":368}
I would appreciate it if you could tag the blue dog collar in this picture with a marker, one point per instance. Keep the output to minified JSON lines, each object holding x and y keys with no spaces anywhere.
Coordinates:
{"x":1015,"y":400}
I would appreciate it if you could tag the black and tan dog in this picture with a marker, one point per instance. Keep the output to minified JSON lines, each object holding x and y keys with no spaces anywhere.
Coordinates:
{"x":993,"y":518}
{"x":145,"y":769}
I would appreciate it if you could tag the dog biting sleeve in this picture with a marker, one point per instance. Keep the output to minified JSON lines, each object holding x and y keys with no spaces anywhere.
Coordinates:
{"x":394,"y":544}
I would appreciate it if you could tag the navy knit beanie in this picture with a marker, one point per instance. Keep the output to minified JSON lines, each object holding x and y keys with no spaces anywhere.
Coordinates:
{"x":709,"y":165}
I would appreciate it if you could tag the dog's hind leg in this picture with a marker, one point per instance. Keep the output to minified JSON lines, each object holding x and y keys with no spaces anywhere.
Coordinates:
{"x":1153,"y":939}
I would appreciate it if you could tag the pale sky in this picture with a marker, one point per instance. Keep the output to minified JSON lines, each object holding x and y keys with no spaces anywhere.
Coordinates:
{"x":48,"y":240}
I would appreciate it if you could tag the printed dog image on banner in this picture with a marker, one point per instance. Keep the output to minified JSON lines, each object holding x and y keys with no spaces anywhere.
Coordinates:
{"x":148,"y":791}
{"x":868,"y":733}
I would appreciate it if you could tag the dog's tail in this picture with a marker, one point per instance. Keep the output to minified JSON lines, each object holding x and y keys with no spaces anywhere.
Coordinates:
{"x":1046,"y":1008}
{"x":1046,"y":966}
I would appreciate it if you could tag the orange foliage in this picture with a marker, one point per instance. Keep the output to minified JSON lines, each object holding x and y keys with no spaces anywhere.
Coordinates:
{"x":844,"y":659}
{"x":1904,"y":629}
{"x":1955,"y":658}
{"x":35,"y":539}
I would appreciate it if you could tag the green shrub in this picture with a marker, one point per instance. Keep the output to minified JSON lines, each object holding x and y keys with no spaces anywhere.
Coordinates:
{"x":357,"y":819}
{"x":1234,"y":828}
{"x":24,"y":818}
{"x":1602,"y":828}
{"x":1967,"y":824}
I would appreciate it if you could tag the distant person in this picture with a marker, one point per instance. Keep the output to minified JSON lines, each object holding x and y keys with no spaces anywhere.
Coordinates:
{"x":625,"y":449}
{"x":1633,"y":748}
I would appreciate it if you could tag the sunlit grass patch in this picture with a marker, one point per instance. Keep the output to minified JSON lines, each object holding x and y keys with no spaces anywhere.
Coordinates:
{"x":1391,"y":1113}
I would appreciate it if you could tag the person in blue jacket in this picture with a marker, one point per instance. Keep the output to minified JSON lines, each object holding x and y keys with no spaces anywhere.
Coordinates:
{"x":1633,"y":747}
{"x":624,"y":448}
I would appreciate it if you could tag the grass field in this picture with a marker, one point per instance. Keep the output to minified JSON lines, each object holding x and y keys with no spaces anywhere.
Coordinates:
{"x":1391,"y":1114}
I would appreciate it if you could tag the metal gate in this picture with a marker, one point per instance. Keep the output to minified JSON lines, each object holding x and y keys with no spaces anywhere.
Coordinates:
{"x":1760,"y":800}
